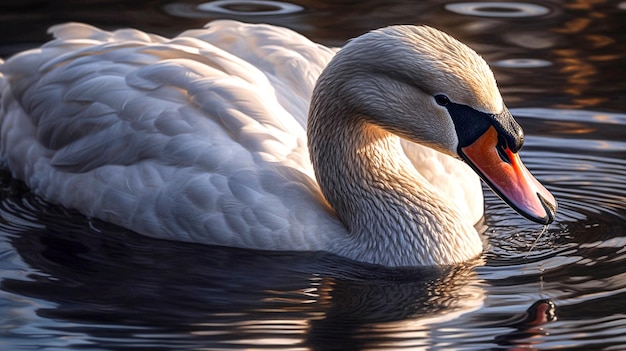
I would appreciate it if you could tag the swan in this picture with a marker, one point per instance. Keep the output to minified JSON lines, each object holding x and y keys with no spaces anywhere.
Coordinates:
{"x":252,"y":136}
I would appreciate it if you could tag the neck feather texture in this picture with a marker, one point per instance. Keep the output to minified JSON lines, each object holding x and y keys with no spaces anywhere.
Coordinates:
{"x":393,"y":215}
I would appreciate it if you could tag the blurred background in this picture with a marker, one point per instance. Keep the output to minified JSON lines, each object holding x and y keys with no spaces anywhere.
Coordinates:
{"x":577,"y":46}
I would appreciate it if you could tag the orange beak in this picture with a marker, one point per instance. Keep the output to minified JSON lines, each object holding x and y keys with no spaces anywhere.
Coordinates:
{"x":505,"y":173}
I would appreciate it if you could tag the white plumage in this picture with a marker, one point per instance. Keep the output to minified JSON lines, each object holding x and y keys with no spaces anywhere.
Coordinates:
{"x":202,"y":138}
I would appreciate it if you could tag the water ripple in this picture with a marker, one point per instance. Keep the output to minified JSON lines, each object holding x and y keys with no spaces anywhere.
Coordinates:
{"x":522,"y":63}
{"x":498,"y":9}
{"x":250,"y":7}
{"x":238,"y":8}
{"x":581,"y":156}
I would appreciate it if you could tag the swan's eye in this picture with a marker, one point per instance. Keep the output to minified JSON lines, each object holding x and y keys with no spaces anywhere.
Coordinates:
{"x":442,"y":100}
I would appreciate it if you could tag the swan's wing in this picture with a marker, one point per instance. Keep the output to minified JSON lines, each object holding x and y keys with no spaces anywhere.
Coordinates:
{"x":121,"y":125}
{"x":452,"y":178}
{"x":291,"y":62}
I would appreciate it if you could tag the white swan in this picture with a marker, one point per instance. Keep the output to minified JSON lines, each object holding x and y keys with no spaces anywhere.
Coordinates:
{"x":203,"y":138}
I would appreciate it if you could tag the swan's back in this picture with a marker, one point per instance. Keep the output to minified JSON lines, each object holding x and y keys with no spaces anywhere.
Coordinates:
{"x":123,"y":125}
{"x":198,"y":138}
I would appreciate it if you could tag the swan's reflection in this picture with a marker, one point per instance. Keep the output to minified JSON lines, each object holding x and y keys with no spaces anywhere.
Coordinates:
{"x":528,"y":326}
{"x":116,"y":288}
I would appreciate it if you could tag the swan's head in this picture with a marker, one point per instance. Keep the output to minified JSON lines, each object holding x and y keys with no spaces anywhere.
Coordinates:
{"x":427,"y":87}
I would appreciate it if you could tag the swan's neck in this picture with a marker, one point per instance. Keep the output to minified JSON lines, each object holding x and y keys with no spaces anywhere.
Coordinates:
{"x":393,"y":216}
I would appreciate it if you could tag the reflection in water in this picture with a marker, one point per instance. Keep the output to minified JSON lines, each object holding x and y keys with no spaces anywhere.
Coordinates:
{"x":120,"y":286}
{"x":68,"y":282}
{"x":528,"y":325}
{"x":579,"y":61}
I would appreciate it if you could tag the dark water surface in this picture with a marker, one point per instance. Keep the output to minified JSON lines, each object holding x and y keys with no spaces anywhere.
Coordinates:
{"x":67,"y":282}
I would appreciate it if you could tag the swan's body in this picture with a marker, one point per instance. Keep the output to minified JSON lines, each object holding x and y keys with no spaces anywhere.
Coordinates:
{"x":203,"y":138}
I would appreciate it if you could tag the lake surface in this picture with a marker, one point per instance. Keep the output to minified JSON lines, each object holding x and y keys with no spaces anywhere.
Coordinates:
{"x":68,"y":282}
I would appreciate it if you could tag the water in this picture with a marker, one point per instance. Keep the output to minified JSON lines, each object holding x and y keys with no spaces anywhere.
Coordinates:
{"x":68,"y":282}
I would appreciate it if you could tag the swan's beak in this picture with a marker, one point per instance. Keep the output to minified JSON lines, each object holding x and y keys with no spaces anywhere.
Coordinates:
{"x":504,"y":172}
